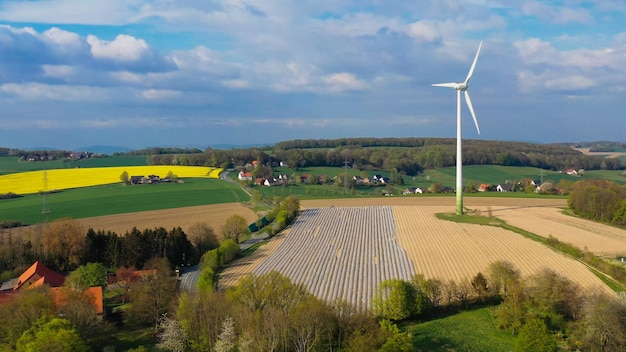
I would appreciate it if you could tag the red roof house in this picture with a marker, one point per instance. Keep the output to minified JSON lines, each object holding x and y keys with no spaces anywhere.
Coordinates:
{"x":39,"y":274}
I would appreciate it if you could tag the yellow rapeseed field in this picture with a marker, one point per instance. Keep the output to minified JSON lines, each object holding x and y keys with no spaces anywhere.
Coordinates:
{"x":59,"y":179}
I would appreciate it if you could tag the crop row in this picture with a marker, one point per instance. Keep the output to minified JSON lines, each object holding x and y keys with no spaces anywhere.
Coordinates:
{"x":341,"y":253}
{"x":448,"y":250}
{"x":60,"y":179}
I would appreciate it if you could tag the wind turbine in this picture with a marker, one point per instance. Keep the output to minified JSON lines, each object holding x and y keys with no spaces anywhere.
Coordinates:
{"x":461,"y":87}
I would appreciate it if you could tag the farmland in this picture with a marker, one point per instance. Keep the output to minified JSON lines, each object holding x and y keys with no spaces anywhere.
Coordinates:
{"x":9,"y":165}
{"x":120,"y":199}
{"x":331,"y":239}
{"x":60,"y":179}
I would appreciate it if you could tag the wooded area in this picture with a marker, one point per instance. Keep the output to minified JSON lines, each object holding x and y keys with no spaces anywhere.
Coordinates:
{"x":406,"y":155}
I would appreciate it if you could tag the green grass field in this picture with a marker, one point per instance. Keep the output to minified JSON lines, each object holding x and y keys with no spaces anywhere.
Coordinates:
{"x":118,"y":199}
{"x":472,"y":330}
{"x":9,"y":165}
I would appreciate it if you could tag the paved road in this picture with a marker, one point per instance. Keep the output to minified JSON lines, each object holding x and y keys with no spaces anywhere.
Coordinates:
{"x":189,"y":276}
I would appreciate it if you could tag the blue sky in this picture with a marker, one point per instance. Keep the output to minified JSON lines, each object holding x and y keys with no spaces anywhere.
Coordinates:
{"x":138,"y":73}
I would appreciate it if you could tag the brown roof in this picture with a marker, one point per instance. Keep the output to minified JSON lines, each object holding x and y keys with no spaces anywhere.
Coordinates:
{"x":39,"y":274}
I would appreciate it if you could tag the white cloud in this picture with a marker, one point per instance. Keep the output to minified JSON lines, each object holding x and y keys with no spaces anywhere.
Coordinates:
{"x":343,"y":81}
{"x":111,"y":12}
{"x":160,"y":94}
{"x":122,"y":48}
{"x":58,"y":71}
{"x":235,"y":83}
{"x":424,"y":30}
{"x":40,"y":91}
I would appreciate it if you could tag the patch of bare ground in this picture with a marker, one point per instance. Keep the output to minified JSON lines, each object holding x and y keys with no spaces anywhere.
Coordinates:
{"x":598,"y":238}
{"x":605,"y":154}
{"x":214,"y":215}
{"x":447,"y":250}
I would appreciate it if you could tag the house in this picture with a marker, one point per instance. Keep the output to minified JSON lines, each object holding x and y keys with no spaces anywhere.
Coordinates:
{"x":505,"y":187}
{"x":154,"y":179}
{"x":271,"y":182}
{"x":384,"y":180}
{"x":358,"y":180}
{"x":484,"y":187}
{"x":259,"y":181}
{"x":245,"y":176}
{"x":136,"y":180}
{"x":36,"y":275}
{"x":410,"y":190}
{"x":571,"y":172}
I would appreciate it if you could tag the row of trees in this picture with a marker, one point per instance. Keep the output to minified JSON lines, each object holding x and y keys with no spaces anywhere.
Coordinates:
{"x":544,"y":310}
{"x":599,"y":200}
{"x":407,"y":155}
{"x":64,"y":245}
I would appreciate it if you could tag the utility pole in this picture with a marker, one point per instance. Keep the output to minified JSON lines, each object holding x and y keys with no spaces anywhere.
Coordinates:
{"x":345,"y":175}
{"x":46,"y":207}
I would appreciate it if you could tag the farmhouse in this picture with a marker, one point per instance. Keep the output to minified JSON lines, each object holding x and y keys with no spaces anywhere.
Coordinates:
{"x":39,"y":274}
{"x":245,"y":176}
{"x":505,"y":187}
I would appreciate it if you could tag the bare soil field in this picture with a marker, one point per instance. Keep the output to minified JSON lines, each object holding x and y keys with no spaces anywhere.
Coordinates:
{"x":437,"y":248}
{"x":447,"y":250}
{"x":606,"y":154}
{"x":469,"y":202}
{"x":214,"y":215}
{"x":598,"y":238}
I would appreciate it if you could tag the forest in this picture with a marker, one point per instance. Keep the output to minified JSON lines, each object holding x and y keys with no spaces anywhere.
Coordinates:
{"x":599,"y":200}
{"x":408,"y":156}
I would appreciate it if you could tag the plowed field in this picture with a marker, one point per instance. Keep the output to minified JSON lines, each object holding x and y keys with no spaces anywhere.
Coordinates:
{"x":214,"y":215}
{"x":598,"y":238}
{"x":448,"y":250}
{"x":437,"y":248}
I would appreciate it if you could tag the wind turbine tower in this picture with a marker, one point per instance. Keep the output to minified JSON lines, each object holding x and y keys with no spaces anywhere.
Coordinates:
{"x":461,"y":87}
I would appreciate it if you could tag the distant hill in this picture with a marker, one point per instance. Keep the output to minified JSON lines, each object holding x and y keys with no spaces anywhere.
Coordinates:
{"x":103,"y":149}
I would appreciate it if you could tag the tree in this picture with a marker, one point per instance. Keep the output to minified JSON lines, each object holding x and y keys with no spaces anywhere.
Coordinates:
{"x":124,"y":178}
{"x":88,"y":275}
{"x":227,"y":339}
{"x":603,"y":324}
{"x":480,"y":285}
{"x":51,"y":335}
{"x":151,"y":297}
{"x":64,"y":242}
{"x":235,"y":227}
{"x":534,"y":336}
{"x":396,"y":299}
{"x":203,"y":237}
{"x":502,"y":275}
{"x":172,"y":336}
{"x":24,"y":312}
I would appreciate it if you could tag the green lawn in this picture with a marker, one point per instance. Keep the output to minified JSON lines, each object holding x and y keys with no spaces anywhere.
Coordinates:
{"x":472,"y":330}
{"x":119,"y":199}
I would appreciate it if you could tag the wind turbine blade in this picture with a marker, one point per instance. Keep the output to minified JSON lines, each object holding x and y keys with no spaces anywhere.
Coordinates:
{"x":471,"y":109}
{"x":447,"y":85}
{"x":471,"y":71}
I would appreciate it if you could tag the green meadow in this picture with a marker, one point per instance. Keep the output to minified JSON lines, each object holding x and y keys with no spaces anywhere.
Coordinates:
{"x":11,"y":164}
{"x":119,"y":199}
{"x":472,"y":330}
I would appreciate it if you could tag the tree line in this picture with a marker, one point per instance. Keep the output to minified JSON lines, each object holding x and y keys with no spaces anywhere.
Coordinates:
{"x":599,"y":200}
{"x":63,"y":245}
{"x":546,"y":311}
{"x":406,"y":155}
